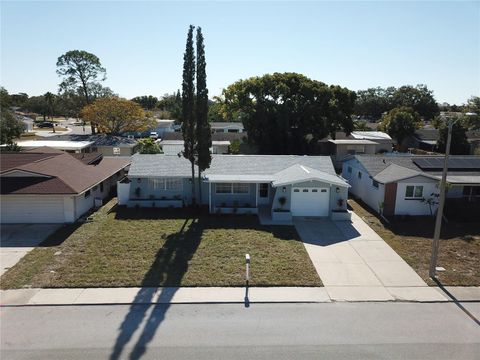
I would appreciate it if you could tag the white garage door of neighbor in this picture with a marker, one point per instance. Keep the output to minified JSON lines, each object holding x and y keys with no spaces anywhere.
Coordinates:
{"x":310,"y":201}
{"x":31,"y":209}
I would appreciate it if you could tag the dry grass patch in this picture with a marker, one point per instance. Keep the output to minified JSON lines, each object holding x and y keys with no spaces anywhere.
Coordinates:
{"x":153,"y":247}
{"x":459,"y":251}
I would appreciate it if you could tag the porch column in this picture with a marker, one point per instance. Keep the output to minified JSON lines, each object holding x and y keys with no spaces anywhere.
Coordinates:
{"x":209,"y":197}
{"x":256,"y":195}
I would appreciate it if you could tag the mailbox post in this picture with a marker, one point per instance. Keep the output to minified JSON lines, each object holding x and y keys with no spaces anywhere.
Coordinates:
{"x":247,"y":268}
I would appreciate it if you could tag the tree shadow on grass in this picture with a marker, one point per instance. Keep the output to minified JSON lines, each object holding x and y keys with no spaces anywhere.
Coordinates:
{"x":169,"y":267}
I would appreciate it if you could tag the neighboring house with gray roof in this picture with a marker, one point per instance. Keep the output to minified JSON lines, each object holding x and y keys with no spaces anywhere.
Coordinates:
{"x":280,"y":185}
{"x":401,"y":184}
{"x":107,"y":145}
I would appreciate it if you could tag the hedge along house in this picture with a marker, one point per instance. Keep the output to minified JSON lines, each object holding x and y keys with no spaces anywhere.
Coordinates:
{"x":409,"y":184}
{"x":276,"y":187}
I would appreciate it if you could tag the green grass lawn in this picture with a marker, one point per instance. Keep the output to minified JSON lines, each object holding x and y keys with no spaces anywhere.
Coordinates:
{"x":459,"y":251}
{"x":154,"y":247}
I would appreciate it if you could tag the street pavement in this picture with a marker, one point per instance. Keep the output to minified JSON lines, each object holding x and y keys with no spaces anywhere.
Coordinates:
{"x":261,"y":331}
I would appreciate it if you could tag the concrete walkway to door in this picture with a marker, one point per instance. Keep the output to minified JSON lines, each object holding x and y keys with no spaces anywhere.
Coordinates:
{"x":355,"y":264}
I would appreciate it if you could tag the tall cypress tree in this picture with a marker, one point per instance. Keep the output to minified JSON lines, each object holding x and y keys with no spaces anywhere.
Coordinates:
{"x":203,"y":131}
{"x":188,"y":106}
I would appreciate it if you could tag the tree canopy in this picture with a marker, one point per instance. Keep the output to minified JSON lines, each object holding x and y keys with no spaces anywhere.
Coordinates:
{"x":149,"y":146}
{"x":10,"y":126}
{"x":287,"y":113}
{"x":459,"y":144}
{"x":115,"y":115}
{"x":400,"y":123}
{"x":148,"y":102}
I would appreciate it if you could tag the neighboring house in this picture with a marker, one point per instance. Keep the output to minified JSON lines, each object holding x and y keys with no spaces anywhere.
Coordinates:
{"x":358,"y":142}
{"x":63,"y":145}
{"x":227,"y":127}
{"x":45,"y":185}
{"x":107,"y":145}
{"x":173,"y":147}
{"x":406,"y":184}
{"x":423,"y":139}
{"x":280,"y":186}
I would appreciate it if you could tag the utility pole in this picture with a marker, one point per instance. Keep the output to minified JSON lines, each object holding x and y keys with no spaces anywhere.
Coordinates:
{"x":441,"y":203}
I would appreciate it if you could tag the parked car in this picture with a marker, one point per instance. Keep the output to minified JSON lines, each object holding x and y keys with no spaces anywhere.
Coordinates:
{"x":45,"y":125}
{"x":154,"y":135}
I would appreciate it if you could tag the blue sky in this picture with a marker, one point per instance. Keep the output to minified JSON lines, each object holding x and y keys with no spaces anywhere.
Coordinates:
{"x":352,"y":44}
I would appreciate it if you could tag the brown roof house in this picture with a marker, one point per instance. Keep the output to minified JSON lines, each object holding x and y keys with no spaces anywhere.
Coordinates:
{"x":44,"y":185}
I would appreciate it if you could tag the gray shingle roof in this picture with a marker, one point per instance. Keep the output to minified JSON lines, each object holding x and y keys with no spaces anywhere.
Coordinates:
{"x":171,"y":165}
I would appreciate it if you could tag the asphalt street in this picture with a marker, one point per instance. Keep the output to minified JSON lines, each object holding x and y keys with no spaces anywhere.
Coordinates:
{"x":260,"y":331}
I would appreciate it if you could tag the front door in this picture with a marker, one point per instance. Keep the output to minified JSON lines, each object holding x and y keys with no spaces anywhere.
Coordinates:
{"x":263,"y":193}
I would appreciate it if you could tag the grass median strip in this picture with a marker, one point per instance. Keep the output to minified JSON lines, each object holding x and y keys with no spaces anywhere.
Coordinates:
{"x":154,"y":247}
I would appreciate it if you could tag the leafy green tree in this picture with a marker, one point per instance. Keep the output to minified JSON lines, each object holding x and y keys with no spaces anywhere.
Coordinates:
{"x":215,"y":110}
{"x":234,"y":147}
{"x":360,"y":125}
{"x":19,"y":99}
{"x":188,"y":106}
{"x":10,"y":129}
{"x":171,"y":106}
{"x":80,"y":69}
{"x":203,"y":130}
{"x":373,"y":102}
{"x":287,"y":113}
{"x":459,"y":144}
{"x":149,"y":146}
{"x":419,"y":98}
{"x":147,"y":102}
{"x":37,"y":104}
{"x":473,"y":105}
{"x":400,"y":123}
{"x":5,"y":99}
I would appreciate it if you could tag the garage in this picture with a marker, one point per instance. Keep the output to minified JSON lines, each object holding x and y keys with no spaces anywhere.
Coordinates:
{"x":18,"y":209}
{"x":310,"y":201}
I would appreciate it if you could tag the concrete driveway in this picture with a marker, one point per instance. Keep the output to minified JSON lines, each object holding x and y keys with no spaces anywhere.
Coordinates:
{"x":17,"y":240}
{"x":355,"y":263}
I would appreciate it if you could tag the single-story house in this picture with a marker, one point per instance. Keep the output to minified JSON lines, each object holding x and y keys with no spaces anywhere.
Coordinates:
{"x":227,"y":127}
{"x":164,"y":126}
{"x":107,"y":145}
{"x":423,"y":139}
{"x":281,"y":186}
{"x":215,"y":136}
{"x":46,"y":185}
{"x":406,"y":184}
{"x":358,"y":142}
{"x":173,"y":147}
{"x":63,"y":145}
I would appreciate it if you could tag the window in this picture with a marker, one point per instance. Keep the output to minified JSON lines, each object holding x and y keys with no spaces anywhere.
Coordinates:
{"x":241,"y":188}
{"x":375,"y":184}
{"x":116,"y":151}
{"x":156,"y":184}
{"x":305,"y":190}
{"x":296,"y":190}
{"x":87,"y":193}
{"x":349,"y":169}
{"x":314,"y":190}
{"x":173,"y":184}
{"x":324,"y":190}
{"x":95,"y":188}
{"x":413,"y":192}
{"x":359,"y":175}
{"x":223,"y":188}
{"x":263,"y":191}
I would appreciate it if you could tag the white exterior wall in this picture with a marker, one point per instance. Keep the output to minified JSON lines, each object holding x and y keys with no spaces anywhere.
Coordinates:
{"x":82,"y":204}
{"x":123,"y":193}
{"x":69,"y":209}
{"x":413,"y":206}
{"x":363,"y":187}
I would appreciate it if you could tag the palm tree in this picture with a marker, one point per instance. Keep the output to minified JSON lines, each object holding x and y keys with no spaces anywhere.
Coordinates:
{"x":49,"y":98}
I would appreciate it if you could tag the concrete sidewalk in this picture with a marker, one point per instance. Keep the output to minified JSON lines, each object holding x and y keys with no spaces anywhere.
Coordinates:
{"x":91,"y":296}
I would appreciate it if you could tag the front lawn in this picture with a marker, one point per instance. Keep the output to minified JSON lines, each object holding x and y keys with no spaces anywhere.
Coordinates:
{"x":411,"y":238}
{"x":154,"y":247}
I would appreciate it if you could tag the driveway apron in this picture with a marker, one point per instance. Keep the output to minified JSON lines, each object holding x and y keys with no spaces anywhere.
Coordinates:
{"x":353,"y":262}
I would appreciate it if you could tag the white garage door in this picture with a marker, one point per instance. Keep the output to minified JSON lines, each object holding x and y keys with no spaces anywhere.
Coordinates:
{"x":310,"y":201}
{"x":31,"y":209}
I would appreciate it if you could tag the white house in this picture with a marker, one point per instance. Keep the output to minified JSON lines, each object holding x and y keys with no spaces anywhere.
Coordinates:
{"x":173,"y":147}
{"x":408,"y":184}
{"x":227,"y":127}
{"x":64,"y":145}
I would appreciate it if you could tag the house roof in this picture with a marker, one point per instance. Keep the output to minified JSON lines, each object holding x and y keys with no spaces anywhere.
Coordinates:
{"x":54,"y":173}
{"x":215,"y":136}
{"x":180,"y":142}
{"x":405,"y":166}
{"x":370,"y":135}
{"x":227,"y":167}
{"x":352,"y":142}
{"x":98,"y":139}
{"x":426,"y":134}
{"x":299,"y":173}
{"x":56,"y":144}
{"x":216,"y":125}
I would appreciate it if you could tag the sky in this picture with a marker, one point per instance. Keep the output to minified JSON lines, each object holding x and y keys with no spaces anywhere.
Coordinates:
{"x":353,"y":44}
